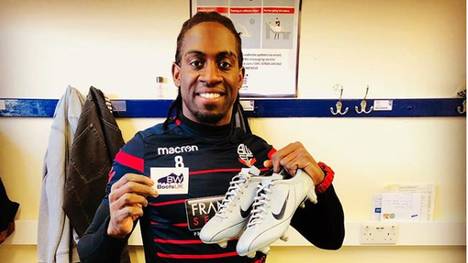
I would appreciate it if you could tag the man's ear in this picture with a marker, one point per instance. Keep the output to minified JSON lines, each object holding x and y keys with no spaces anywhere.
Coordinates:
{"x":176,"y":74}
{"x":241,"y":76}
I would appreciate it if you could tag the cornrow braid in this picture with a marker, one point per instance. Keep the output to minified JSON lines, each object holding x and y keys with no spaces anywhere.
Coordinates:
{"x":174,"y":110}
{"x":238,"y":118}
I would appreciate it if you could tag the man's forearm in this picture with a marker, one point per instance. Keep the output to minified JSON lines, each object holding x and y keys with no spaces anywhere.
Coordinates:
{"x":96,"y":245}
{"x":322,"y":223}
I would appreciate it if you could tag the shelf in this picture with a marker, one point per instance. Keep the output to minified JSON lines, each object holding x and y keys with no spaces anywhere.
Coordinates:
{"x":440,"y":107}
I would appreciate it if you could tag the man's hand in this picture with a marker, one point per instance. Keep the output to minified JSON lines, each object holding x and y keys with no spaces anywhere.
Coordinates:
{"x":292,"y":157}
{"x":126,"y":201}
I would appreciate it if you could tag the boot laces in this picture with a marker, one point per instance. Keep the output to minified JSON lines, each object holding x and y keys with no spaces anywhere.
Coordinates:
{"x":261,"y":203}
{"x":234,"y":189}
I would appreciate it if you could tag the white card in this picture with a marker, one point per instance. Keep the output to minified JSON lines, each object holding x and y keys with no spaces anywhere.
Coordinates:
{"x":383,"y":105}
{"x":401,"y":206}
{"x":170,"y":180}
{"x":427,"y":192}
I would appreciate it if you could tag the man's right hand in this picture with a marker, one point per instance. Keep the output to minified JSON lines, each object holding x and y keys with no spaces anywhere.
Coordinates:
{"x":126,"y":201}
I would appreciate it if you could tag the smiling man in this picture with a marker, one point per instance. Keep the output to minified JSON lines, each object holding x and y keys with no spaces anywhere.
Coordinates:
{"x":172,"y":176}
{"x":208,"y":73}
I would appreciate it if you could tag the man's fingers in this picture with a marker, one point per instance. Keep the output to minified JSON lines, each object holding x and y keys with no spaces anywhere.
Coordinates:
{"x":130,"y":199}
{"x":275,"y":161}
{"x":138,"y":188}
{"x":126,"y":201}
{"x":290,"y":148}
{"x":136,"y":178}
{"x":133,"y":211}
{"x":132,"y":187}
{"x":129,"y":211}
{"x":290,"y":168}
{"x":292,"y":157}
{"x":132,"y":183}
{"x":300,"y":162}
{"x":289,"y":164}
{"x":282,"y":153}
{"x":288,"y":160}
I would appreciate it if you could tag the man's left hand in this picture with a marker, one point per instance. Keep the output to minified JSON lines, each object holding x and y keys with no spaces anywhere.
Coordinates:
{"x":292,"y":157}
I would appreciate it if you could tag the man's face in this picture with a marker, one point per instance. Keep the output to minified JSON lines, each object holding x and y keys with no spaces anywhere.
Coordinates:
{"x":209,"y":76}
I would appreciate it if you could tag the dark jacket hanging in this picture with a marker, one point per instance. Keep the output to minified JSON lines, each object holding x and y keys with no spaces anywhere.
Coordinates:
{"x":97,"y":140}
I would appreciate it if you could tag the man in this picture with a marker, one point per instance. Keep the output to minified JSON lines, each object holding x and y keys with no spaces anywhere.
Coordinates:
{"x":205,"y":143}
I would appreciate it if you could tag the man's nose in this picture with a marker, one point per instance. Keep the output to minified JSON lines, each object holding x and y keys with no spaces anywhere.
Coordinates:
{"x":211,"y":74}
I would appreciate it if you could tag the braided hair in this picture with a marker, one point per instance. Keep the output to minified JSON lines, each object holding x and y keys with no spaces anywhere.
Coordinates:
{"x":238,"y":119}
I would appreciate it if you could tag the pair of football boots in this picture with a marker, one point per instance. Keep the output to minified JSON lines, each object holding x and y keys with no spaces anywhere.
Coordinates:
{"x":258,"y":210}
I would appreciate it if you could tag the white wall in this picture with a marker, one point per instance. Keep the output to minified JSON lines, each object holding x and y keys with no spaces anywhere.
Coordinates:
{"x":403,"y":48}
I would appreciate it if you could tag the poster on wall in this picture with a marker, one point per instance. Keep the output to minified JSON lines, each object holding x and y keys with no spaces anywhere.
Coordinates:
{"x":269,"y":31}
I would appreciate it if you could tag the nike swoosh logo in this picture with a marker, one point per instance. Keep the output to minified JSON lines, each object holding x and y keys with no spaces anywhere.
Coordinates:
{"x":280,"y":215}
{"x":246,"y":213}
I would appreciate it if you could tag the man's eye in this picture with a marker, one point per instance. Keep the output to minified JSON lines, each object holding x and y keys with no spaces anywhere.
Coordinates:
{"x":224,"y":65}
{"x":196,"y":64}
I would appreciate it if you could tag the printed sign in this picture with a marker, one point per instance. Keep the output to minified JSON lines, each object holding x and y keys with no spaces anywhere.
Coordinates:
{"x":170,"y":180}
{"x":269,"y":30}
{"x":200,"y":210}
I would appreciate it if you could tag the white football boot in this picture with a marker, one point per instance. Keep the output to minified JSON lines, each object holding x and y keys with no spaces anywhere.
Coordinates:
{"x":234,"y":211}
{"x":275,"y":203}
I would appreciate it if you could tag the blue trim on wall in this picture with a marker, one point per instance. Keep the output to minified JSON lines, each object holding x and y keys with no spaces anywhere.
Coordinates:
{"x":321,"y":108}
{"x":262,"y":108}
{"x":27,"y":107}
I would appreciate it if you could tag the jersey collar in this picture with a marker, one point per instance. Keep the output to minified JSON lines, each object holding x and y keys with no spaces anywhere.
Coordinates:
{"x":203,"y":129}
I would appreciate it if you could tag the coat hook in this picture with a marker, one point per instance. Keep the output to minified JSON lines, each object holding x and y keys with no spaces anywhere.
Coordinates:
{"x":339,"y":105}
{"x":462,"y":109}
{"x":364,"y":105}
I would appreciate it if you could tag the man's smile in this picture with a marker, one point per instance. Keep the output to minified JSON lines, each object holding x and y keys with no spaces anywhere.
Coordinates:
{"x":209,"y":95}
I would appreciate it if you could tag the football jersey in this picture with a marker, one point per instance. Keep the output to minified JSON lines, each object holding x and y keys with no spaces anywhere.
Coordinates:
{"x":201,"y":158}
{"x":191,"y":165}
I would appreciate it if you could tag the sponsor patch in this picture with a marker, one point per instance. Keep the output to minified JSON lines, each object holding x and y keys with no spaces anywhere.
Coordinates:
{"x":200,"y":210}
{"x":177,"y":149}
{"x":170,"y":180}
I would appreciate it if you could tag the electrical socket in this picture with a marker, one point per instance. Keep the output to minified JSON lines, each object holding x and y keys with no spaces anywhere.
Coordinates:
{"x":378,"y":233}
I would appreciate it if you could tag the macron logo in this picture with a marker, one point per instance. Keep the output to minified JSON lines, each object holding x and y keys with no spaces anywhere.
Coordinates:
{"x":171,"y":181}
{"x":177,"y":149}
